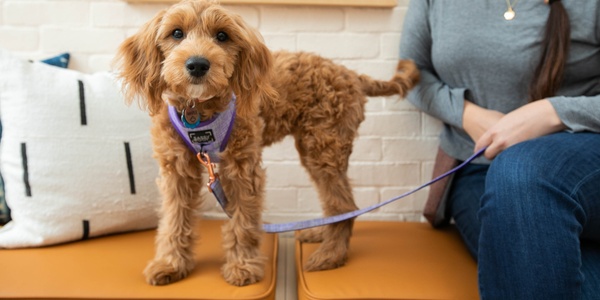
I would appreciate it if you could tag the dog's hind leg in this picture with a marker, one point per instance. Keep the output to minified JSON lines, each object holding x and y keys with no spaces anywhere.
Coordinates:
{"x":174,"y":258}
{"x":326,"y":160}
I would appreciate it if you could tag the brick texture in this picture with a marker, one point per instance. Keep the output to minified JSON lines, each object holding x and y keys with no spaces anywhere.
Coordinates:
{"x":396,"y":143}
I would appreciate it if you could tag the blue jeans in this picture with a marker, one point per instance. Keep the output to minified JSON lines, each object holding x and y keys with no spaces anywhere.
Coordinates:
{"x":532,"y":218}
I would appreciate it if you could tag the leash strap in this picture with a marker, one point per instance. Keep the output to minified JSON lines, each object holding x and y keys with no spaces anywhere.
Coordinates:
{"x":201,"y":140}
{"x":217,"y":190}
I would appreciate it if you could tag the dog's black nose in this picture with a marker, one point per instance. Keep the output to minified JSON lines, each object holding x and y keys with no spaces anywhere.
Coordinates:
{"x":197,"y":66}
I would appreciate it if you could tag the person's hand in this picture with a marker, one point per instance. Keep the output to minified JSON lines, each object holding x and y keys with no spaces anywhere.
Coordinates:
{"x":530,"y":121}
{"x":477,"y":120}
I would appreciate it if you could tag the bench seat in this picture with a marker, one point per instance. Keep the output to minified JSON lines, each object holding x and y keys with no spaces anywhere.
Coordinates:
{"x":394,"y":260}
{"x":111,"y":268}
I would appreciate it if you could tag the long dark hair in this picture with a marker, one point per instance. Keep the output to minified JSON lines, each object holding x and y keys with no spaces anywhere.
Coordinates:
{"x":555,"y":48}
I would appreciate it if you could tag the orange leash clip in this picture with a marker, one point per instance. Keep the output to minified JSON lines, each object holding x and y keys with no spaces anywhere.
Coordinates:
{"x":210,"y":167}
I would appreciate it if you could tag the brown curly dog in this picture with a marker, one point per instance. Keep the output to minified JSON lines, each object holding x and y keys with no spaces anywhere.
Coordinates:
{"x":196,"y":54}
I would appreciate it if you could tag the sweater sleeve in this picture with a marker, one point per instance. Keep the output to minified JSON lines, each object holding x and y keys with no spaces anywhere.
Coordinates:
{"x":578,"y":113}
{"x":431,"y":95}
{"x":582,"y":113}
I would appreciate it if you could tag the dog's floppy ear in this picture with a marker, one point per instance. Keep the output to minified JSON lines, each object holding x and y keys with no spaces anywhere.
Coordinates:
{"x":252,"y":76}
{"x":138,"y":61}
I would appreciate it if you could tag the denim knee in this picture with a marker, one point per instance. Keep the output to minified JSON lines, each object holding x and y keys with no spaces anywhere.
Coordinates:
{"x":525,"y":182}
{"x":510,"y":177}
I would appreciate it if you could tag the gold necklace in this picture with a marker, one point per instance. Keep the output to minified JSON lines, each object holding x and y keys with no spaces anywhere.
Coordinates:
{"x":510,"y":13}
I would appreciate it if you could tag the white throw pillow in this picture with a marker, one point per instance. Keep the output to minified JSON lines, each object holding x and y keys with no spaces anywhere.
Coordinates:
{"x":77,"y":162}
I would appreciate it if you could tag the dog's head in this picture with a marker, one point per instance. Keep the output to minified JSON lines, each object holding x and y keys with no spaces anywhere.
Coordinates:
{"x":196,"y":52}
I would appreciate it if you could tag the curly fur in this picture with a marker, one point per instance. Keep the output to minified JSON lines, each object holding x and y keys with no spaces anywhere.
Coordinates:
{"x":319,"y":103}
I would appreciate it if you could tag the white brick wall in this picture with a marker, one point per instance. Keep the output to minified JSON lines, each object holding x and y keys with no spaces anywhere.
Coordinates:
{"x":396,"y":145}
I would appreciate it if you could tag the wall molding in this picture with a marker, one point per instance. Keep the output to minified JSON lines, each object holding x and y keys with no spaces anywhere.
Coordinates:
{"x":363,"y":3}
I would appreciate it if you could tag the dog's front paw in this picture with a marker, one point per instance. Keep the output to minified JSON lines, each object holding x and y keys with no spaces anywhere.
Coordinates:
{"x":243,"y":273}
{"x":159,"y":272}
{"x":325,"y":260}
{"x":311,"y":235}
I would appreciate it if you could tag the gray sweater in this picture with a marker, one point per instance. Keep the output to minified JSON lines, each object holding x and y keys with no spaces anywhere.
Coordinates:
{"x":465,"y":49}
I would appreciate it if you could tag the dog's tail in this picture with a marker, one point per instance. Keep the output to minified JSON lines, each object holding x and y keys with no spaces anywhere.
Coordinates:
{"x":406,"y":77}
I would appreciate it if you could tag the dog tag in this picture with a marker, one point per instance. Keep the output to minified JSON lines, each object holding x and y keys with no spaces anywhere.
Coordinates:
{"x":190,"y":117}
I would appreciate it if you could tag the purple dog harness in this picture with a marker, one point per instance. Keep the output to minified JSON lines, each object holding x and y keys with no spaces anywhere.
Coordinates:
{"x":209,"y":136}
{"x":207,"y":139}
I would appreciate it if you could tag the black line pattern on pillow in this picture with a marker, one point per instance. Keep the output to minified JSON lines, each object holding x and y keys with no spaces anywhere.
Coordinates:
{"x":82,"y":103}
{"x":25,"y":170}
{"x":86,"y":230}
{"x":130,"y":168}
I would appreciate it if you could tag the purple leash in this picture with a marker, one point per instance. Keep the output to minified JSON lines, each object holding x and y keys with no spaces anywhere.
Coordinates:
{"x":274,"y":228}
{"x":215,"y":188}
{"x":217,"y":133}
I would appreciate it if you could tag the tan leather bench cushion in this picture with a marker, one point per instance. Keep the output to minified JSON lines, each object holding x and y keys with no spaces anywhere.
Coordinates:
{"x":394,"y":260}
{"x":111,"y":268}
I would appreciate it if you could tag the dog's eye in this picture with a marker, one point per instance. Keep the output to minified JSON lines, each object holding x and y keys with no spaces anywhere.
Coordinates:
{"x":222,"y":36}
{"x":177,"y":34}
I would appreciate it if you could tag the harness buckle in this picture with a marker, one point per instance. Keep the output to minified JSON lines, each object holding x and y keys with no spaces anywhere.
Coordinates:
{"x":204,"y":159}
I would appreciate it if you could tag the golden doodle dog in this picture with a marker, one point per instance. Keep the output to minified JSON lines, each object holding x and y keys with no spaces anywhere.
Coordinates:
{"x":194,"y":56}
